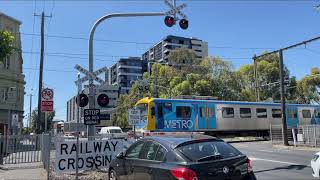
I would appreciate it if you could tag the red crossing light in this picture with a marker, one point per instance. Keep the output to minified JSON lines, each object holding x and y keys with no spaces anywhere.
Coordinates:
{"x":103,"y":100}
{"x":169,"y":21}
{"x":83,"y":100}
{"x":184,"y":24}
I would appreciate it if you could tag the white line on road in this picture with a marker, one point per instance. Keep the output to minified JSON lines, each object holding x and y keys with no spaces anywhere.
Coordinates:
{"x":270,"y":160}
{"x":266,"y":151}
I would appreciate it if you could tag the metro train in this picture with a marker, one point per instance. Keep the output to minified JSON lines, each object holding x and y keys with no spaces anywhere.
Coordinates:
{"x":222,"y":117}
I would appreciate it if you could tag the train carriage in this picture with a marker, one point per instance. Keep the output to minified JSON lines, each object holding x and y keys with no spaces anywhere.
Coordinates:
{"x":215,"y":116}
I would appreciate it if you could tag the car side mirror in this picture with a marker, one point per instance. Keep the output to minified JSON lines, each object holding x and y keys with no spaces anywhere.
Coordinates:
{"x":121,"y":156}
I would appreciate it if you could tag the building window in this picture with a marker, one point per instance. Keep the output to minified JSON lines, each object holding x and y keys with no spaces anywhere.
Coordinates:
{"x":183,"y":112}
{"x":276,"y":113}
{"x":6,"y":94}
{"x":7,"y":62}
{"x":227,"y":112}
{"x":261,"y":113}
{"x":181,"y":42}
{"x":245,"y":112}
{"x":306,"y":113}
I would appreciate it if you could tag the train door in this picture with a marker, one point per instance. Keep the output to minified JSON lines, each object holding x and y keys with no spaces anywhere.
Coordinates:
{"x":292,"y":117}
{"x":202,"y":116}
{"x":316,"y":115}
{"x":159,"y":116}
{"x":211,"y":116}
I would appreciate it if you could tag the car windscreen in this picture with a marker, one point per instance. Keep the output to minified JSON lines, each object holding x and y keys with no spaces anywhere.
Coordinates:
{"x":115,"y":130}
{"x":208,"y":150}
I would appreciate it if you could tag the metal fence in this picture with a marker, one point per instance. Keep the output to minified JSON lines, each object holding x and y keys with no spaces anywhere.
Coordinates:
{"x":16,"y":149}
{"x":276,"y":134}
{"x":308,"y":135}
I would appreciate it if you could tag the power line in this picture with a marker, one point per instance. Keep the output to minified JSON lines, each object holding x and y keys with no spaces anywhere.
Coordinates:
{"x":148,"y":43}
{"x":53,"y":70}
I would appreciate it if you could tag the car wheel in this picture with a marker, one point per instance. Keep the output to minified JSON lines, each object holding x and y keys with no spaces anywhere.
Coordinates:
{"x":113,"y":175}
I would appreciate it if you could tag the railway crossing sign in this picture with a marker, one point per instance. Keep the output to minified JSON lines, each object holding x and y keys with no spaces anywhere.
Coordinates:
{"x":175,"y":10}
{"x":93,"y":75}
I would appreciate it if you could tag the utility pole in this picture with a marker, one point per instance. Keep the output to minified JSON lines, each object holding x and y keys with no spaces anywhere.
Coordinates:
{"x":38,"y":120}
{"x":256,"y":83}
{"x":283,"y":101}
{"x":29,"y":123}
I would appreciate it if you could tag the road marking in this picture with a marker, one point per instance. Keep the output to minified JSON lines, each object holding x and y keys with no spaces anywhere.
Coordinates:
{"x":266,"y":151}
{"x":270,"y":160}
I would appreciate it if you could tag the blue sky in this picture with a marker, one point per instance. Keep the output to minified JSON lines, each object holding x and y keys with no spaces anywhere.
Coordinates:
{"x":235,"y":30}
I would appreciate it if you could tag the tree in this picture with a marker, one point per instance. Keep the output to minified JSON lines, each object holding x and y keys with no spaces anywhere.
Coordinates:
{"x":34,"y":116}
{"x":268,"y":77}
{"x":6,"y":45}
{"x":308,"y":87}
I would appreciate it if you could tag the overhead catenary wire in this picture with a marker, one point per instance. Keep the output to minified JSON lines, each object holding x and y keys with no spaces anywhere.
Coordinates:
{"x":136,"y":42}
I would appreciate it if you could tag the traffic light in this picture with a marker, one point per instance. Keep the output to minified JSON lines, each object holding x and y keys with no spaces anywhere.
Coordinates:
{"x":103,"y":100}
{"x":83,"y":100}
{"x":184,"y":24}
{"x":169,"y":21}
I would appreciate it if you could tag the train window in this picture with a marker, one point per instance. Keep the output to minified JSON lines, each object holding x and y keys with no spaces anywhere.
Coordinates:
{"x":276,"y":113}
{"x":227,"y":112}
{"x":168,"y":106}
{"x":202,"y":111}
{"x":160,"y":111}
{"x":261,"y":113}
{"x":211,"y":112}
{"x":153,"y":111}
{"x":245,"y":112}
{"x":183,"y":112}
{"x":306,"y":113}
{"x":292,"y":113}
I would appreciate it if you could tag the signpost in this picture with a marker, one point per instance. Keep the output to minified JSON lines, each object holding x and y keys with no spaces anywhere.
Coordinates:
{"x":91,"y":116}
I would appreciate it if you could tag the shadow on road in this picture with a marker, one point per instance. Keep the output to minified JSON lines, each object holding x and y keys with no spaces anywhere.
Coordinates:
{"x":290,"y":167}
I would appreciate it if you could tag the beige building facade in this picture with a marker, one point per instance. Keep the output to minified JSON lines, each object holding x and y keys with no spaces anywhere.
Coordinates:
{"x":11,"y":82}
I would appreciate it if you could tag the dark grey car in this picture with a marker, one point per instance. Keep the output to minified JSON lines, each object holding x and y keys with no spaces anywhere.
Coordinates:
{"x":165,"y":158}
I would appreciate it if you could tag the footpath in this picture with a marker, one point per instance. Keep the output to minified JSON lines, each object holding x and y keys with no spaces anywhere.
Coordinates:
{"x":25,"y":171}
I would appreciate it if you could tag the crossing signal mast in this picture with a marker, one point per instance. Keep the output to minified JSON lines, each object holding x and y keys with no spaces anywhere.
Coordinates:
{"x":171,"y":16}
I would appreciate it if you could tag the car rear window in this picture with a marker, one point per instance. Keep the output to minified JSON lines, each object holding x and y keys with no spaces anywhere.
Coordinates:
{"x":208,"y":150}
{"x":115,"y":130}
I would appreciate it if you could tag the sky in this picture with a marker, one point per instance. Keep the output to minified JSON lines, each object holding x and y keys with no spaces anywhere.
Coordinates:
{"x":235,"y":30}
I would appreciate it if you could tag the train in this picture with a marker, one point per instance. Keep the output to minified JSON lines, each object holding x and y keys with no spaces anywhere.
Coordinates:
{"x":222,"y":117}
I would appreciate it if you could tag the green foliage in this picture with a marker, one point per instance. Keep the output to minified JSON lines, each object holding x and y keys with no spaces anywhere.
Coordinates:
{"x":6,"y":45}
{"x":34,"y":116}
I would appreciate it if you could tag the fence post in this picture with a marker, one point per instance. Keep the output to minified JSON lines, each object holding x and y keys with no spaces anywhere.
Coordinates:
{"x":271,"y":133}
{"x":294,"y":137}
{"x":48,"y":155}
{"x":314,"y":136}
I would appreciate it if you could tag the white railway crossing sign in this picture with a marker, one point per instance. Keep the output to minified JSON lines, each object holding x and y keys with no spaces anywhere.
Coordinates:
{"x":94,"y":75}
{"x":175,"y":10}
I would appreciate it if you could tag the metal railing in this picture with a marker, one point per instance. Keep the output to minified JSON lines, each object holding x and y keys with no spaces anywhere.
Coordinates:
{"x":16,"y":149}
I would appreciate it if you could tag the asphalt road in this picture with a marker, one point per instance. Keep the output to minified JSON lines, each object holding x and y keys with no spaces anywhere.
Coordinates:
{"x":277,"y":162}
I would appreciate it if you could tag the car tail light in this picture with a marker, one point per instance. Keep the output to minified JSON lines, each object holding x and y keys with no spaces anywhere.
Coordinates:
{"x":184,"y":174}
{"x":249,"y":165}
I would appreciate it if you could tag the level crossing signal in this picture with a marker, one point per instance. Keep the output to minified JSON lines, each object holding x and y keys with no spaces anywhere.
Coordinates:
{"x":84,"y":100}
{"x":103,"y":100}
